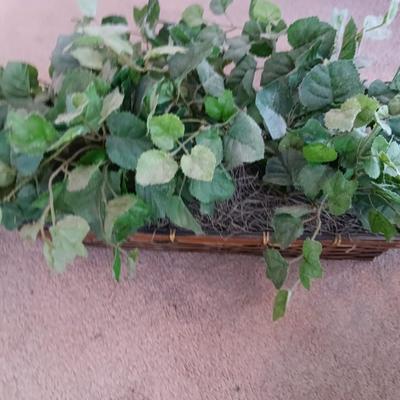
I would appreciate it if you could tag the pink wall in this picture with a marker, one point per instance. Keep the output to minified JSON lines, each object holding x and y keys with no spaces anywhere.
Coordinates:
{"x":29,"y":28}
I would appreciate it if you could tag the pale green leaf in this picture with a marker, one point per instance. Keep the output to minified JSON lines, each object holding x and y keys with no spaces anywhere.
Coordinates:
{"x":66,"y":242}
{"x":211,"y":139}
{"x":265,"y":11}
{"x":69,"y":136}
{"x":79,"y":178}
{"x":88,"y":58}
{"x":343,"y":119}
{"x":193,"y":15}
{"x":165,"y":130}
{"x":117,"y":264}
{"x":200,"y":164}
{"x":111,"y":103}
{"x":155,"y":167}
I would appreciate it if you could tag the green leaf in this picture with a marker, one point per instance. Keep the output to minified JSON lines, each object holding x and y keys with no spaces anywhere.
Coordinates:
{"x":327,"y":84}
{"x":111,"y":103}
{"x":239,"y":46}
{"x":287,"y":228}
{"x":212,"y":82}
{"x":66,"y":242}
{"x":165,"y":130}
{"x":19,"y":80}
{"x":30,"y":134}
{"x":156,"y":196}
{"x":277,"y":267}
{"x":368,"y":108}
{"x":311,"y":179}
{"x":343,"y":119}
{"x":220,"y":188}
{"x":265,"y":11}
{"x":117,"y":264}
{"x":350,"y":41}
{"x":7,"y":175}
{"x":181,"y":64}
{"x":79,"y":177}
{"x":211,"y":139}
{"x":111,"y":36}
{"x":241,"y":80}
{"x":319,"y":153}
{"x":179,"y":215}
{"x":280,"y":304}
{"x":277,"y":66}
{"x":193,"y":15}
{"x":307,"y":30}
{"x":147,"y":17}
{"x":200,"y":164}
{"x":244,"y":142}
{"x":219,"y":7}
{"x":88,"y":58}
{"x":310,"y":267}
{"x":155,"y":167}
{"x":339,"y":192}
{"x":283,"y":170}
{"x":124,"y":216}
{"x":68,"y":136}
{"x":88,"y":8}
{"x":125,"y":151}
{"x":26,"y":164}
{"x":274,"y":102}
{"x":220,"y":108}
{"x":380,"y":224}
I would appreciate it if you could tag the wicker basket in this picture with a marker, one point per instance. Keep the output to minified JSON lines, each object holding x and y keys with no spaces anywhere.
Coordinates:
{"x":360,"y":247}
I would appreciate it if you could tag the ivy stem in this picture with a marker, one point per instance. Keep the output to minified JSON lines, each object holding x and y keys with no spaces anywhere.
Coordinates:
{"x":185,"y":142}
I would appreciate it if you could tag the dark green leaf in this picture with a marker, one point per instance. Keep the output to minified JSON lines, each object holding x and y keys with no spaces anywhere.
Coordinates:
{"x":310,"y":267}
{"x":328,"y":84}
{"x":244,"y":142}
{"x":179,"y":215}
{"x":339,"y":192}
{"x":277,"y":267}
{"x":350,"y":40}
{"x":19,"y":80}
{"x":219,"y":7}
{"x":287,"y":228}
{"x":380,"y":224}
{"x":220,"y":188}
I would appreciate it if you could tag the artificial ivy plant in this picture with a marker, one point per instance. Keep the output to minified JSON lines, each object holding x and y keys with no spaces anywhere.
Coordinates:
{"x":134,"y":127}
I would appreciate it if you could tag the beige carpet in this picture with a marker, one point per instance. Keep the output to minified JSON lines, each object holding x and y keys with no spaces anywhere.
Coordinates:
{"x":194,"y":327}
{"x":190,"y":326}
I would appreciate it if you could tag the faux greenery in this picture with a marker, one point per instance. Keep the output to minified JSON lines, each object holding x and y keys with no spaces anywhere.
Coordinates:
{"x":133,"y":129}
